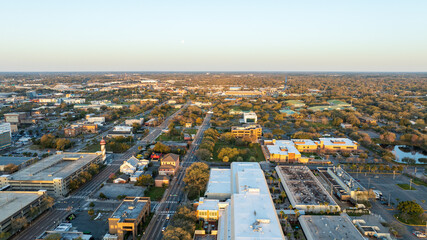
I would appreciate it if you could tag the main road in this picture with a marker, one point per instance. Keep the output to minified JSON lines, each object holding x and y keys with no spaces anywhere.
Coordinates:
{"x":174,"y":195}
{"x":76,"y":199}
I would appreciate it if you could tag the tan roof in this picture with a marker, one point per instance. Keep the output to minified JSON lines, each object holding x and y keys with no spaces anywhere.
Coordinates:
{"x":166,"y":167}
{"x":170,"y":157}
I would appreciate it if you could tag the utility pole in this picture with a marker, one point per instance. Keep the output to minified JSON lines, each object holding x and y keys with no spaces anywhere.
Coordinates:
{"x":369,"y":182}
{"x":389,"y":195}
{"x":394,"y":174}
{"x":410,"y":184}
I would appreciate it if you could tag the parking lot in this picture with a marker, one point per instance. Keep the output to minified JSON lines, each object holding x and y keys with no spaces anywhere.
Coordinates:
{"x":112,"y":190}
{"x":97,"y":228}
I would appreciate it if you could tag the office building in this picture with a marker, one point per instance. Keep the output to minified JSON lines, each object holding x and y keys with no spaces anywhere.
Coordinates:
{"x":250,"y":117}
{"x":250,"y":131}
{"x":121,"y":131}
{"x":304,"y":190}
{"x":129,"y":217}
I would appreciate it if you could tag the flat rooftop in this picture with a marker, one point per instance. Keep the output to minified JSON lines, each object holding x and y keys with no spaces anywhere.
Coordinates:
{"x":219,"y":181}
{"x":129,"y":209}
{"x":304,"y":188}
{"x":60,"y":165}
{"x":321,"y":227}
{"x":282,"y":147}
{"x":13,"y":201}
{"x":248,"y":177}
{"x":338,"y":141}
{"x":348,"y":180}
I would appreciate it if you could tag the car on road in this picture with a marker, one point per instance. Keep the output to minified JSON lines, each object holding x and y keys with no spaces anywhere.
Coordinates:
{"x":419,"y":234}
{"x":168,"y":216}
{"x":163,"y":229}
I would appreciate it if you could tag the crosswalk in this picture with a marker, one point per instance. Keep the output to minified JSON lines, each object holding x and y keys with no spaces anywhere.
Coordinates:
{"x":170,"y":202}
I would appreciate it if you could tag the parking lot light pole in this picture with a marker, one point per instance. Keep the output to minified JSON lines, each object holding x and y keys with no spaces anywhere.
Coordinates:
{"x":410,"y":184}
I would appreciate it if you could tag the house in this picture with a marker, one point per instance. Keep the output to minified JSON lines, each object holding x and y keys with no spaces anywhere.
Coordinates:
{"x":169,"y":164}
{"x":161,"y":180}
{"x":345,"y":125}
{"x":121,"y":179}
{"x":129,"y":166}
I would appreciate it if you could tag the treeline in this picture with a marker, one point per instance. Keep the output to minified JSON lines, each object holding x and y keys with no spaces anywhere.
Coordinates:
{"x":51,"y":141}
{"x":84,"y":177}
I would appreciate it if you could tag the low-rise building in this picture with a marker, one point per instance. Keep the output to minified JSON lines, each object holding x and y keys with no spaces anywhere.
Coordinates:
{"x":121,"y":131}
{"x":130,"y":166}
{"x":130,"y":122}
{"x":304,"y":190}
{"x":72,"y":131}
{"x":16,"y":204}
{"x":322,"y":227}
{"x":15,"y":117}
{"x":370,"y":226}
{"x":251,"y":131}
{"x":169,"y":164}
{"x":66,"y":232}
{"x":282,"y":151}
{"x":129,"y":217}
{"x":90,"y":128}
{"x":208,"y":209}
{"x":336,"y":144}
{"x":250,"y":117}
{"x":161,"y":181}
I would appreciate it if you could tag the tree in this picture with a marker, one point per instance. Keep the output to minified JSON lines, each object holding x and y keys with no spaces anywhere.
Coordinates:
{"x":196,"y":177}
{"x":11,"y":168}
{"x":91,"y":212}
{"x":162,"y":148}
{"x":176,"y":233}
{"x":91,"y":204}
{"x":18,"y":223}
{"x":225,"y":159}
{"x":388,"y":137}
{"x":204,"y":154}
{"x":62,"y":143}
{"x":144,"y":180}
{"x":102,"y":196}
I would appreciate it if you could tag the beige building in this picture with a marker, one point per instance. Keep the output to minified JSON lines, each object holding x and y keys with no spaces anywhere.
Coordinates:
{"x":252,"y":131}
{"x":169,"y":164}
{"x":129,"y":217}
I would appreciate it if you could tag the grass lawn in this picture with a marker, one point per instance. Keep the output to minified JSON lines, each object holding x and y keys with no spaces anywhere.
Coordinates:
{"x":155,"y":193}
{"x":414,"y":220}
{"x":405,"y":186}
{"x":167,"y":137}
{"x":252,"y":151}
{"x":190,"y":130}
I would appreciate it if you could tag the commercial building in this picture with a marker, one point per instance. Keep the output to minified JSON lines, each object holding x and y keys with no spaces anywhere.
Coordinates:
{"x":130,"y":122}
{"x":290,"y":150}
{"x":121,"y":131}
{"x":370,"y":226}
{"x":129,"y":216}
{"x":242,"y":216}
{"x":5,"y":135}
{"x":219,"y":185}
{"x":208,"y":209}
{"x":92,"y":119}
{"x":304,"y":190}
{"x":321,"y":227}
{"x":15,"y":117}
{"x":251,"y":131}
{"x":336,"y":144}
{"x":343,"y":184}
{"x":250,"y":117}
{"x":72,"y":131}
{"x":52,"y":173}
{"x":15,"y":204}
{"x":66,"y":231}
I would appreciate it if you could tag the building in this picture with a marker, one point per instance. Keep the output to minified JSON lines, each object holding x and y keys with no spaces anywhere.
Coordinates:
{"x":242,"y":216}
{"x":92,"y":119}
{"x":130,"y":166}
{"x":16,"y":204}
{"x":251,"y":131}
{"x":129,"y":217}
{"x":343,"y":184}
{"x":5,"y":135}
{"x":219,"y":185}
{"x":130,"y":122}
{"x":290,"y":150}
{"x":121,"y":179}
{"x":208,"y":209}
{"x":169,"y":164}
{"x":304,"y":190}
{"x":346,"y":125}
{"x":72,"y":131}
{"x":121,"y":131}
{"x":53,"y":173}
{"x":370,"y":226}
{"x":282,"y":151}
{"x":322,"y":227}
{"x":161,"y":180}
{"x":66,"y":231}
{"x":368,"y":120}
{"x":15,"y":117}
{"x":250,"y":117}
{"x":90,"y":128}
{"x":336,"y":144}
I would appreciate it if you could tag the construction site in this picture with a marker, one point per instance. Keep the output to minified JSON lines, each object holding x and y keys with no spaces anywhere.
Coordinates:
{"x":304,"y":191}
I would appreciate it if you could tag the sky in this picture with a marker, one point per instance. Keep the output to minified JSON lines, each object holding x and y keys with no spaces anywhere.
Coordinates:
{"x":216,"y":35}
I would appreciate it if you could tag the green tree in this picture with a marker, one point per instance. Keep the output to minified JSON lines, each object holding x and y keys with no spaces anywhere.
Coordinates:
{"x":204,"y":154}
{"x":196,"y":177}
{"x":162,"y":148}
{"x":144,"y":180}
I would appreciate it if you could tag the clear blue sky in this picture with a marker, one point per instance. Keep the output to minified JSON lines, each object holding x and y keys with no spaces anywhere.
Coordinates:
{"x":216,"y":35}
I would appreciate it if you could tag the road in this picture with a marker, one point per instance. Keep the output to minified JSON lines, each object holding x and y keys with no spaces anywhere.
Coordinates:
{"x":174,"y":195}
{"x":76,"y":199}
